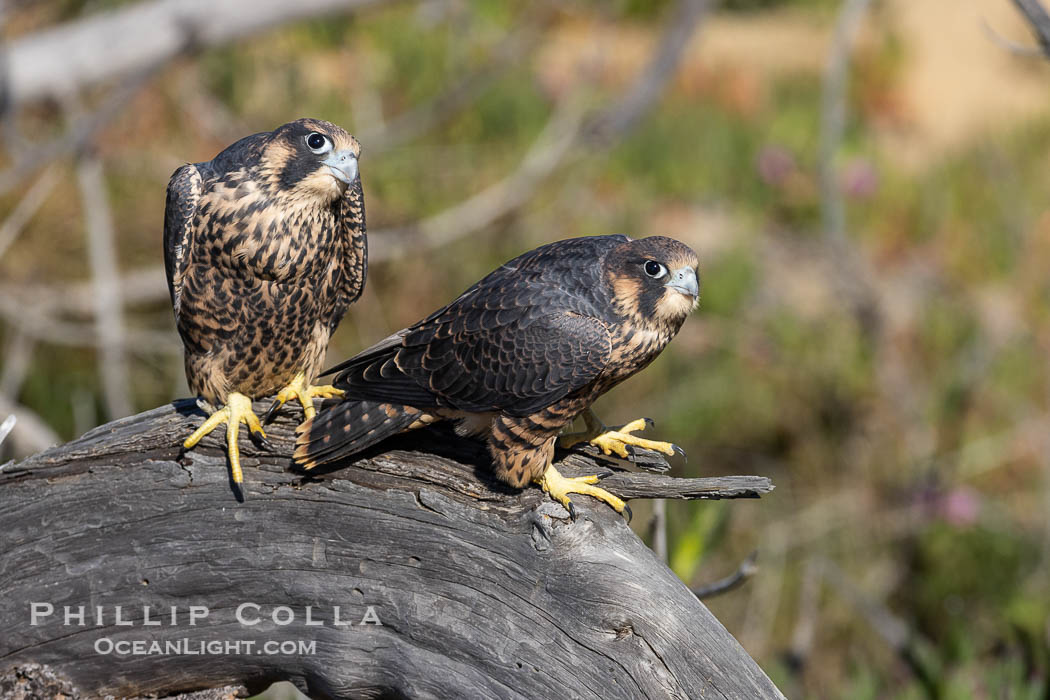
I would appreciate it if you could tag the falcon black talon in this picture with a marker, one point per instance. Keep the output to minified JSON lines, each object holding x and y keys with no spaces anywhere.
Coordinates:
{"x":260,"y":441}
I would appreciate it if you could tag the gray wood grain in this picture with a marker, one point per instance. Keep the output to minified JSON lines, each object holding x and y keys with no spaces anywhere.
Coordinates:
{"x":482,"y":591}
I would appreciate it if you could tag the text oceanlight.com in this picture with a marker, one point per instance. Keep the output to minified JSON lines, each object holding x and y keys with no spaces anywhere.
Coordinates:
{"x":192,"y":647}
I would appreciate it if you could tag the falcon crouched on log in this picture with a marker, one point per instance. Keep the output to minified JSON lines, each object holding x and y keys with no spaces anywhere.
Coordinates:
{"x":264,"y":249}
{"x":518,"y":356}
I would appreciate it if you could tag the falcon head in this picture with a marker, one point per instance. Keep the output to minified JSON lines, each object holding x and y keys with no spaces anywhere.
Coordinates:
{"x":654,"y":281}
{"x":311,"y":158}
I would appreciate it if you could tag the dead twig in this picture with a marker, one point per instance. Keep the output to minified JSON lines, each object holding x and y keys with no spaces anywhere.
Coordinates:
{"x":29,"y":433}
{"x":28,"y":206}
{"x":7,"y":426}
{"x":746,"y":570}
{"x":1004,"y":43}
{"x":1038,"y":20}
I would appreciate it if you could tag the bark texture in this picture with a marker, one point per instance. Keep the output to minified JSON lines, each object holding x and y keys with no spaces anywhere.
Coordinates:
{"x":482,"y":591}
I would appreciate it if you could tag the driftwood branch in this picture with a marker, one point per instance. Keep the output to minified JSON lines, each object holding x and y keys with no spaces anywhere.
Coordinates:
{"x":481,"y":591}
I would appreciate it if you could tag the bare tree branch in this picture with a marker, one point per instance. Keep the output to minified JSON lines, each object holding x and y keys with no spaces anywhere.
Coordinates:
{"x":1038,"y":20}
{"x":1004,"y":43}
{"x":568,"y":132}
{"x":480,"y":210}
{"x":64,"y":60}
{"x":30,"y":433}
{"x":649,"y":86}
{"x":77,"y":137}
{"x":109,"y":312}
{"x":7,"y":426}
{"x":139,"y":287}
{"x":806,"y":618}
{"x":26,"y":319}
{"x":28,"y":206}
{"x":17,"y":358}
{"x":833,"y":114}
{"x":658,"y":527}
{"x":848,"y":270}
{"x":746,"y":570}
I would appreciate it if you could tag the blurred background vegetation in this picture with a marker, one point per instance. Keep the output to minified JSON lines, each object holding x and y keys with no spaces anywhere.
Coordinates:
{"x":888,"y":370}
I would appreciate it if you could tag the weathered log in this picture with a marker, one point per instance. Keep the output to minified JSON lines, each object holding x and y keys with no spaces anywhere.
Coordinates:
{"x":481,"y":590}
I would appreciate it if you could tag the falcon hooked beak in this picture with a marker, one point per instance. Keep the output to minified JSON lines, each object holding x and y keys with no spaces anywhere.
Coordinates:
{"x":343,"y":165}
{"x":684,"y":280}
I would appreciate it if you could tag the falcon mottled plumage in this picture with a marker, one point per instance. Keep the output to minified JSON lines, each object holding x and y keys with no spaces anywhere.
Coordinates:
{"x":264,"y":248}
{"x":518,"y":356}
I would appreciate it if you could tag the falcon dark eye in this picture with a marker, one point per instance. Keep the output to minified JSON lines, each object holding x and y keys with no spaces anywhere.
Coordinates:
{"x":318,"y":143}
{"x":654,"y":269}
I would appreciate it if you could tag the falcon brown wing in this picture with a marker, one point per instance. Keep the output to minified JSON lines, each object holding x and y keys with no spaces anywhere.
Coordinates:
{"x":184,"y":191}
{"x":524,"y":336}
{"x":474,"y":357}
{"x":510,"y":367}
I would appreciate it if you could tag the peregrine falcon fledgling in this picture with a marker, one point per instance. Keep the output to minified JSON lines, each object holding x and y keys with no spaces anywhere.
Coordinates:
{"x":264,"y":249}
{"x":518,"y":356}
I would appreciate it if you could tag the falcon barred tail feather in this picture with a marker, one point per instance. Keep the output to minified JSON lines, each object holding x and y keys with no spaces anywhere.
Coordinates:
{"x":351,"y":427}
{"x":518,"y":356}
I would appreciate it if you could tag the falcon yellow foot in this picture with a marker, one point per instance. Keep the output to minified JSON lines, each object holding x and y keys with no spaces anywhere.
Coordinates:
{"x":238,"y":409}
{"x":610,"y":440}
{"x":298,"y":389}
{"x":559,"y":487}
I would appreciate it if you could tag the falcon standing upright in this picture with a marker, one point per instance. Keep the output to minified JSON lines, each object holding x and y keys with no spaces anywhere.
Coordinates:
{"x":264,"y":249}
{"x":518,"y":356}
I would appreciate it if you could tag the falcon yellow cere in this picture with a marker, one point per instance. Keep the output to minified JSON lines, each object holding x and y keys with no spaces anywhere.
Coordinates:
{"x":264,"y":248}
{"x":518,"y":356}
